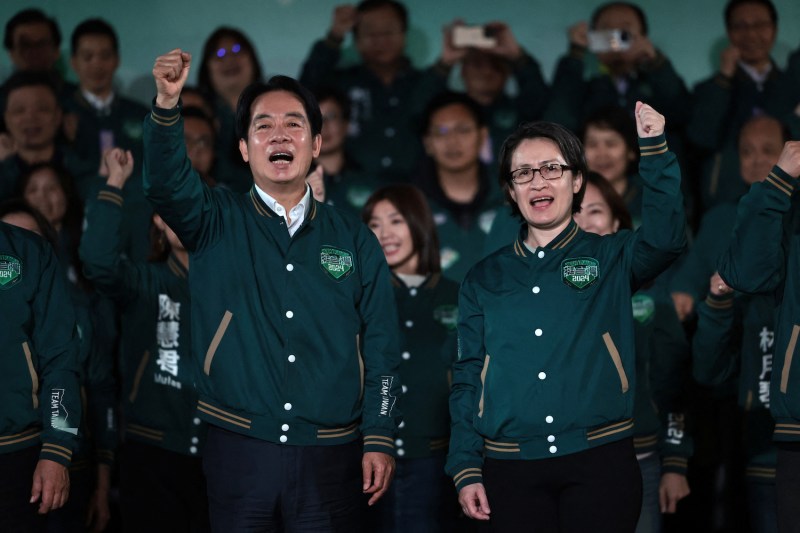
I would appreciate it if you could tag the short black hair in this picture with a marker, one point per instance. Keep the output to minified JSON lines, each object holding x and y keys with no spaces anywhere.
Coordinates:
{"x":328,"y":92}
{"x":21,"y":79}
{"x":210,"y":51}
{"x":616,"y":119}
{"x":449,"y":98}
{"x":30,"y":16}
{"x":633,"y":7}
{"x":371,"y":5}
{"x":94,"y":26}
{"x":244,"y":108}
{"x":198,"y":113}
{"x":733,"y":4}
{"x":568,"y":144}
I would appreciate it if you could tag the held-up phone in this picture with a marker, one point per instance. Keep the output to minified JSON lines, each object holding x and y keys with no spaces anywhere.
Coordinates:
{"x":609,"y":41}
{"x":473,"y":37}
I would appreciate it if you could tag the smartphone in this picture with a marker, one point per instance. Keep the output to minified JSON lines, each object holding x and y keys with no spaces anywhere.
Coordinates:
{"x":473,"y":37}
{"x":609,"y":41}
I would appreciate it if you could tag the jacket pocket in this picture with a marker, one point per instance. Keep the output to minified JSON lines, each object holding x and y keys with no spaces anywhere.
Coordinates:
{"x":787,"y":361}
{"x":137,"y":378}
{"x":483,"y":385}
{"x":614,"y":353}
{"x":212,"y":348}
{"x":34,"y":377}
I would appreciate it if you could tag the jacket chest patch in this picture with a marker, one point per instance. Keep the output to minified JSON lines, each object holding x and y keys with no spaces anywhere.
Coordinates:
{"x":447,"y":316}
{"x":336,"y":262}
{"x":10,"y":271}
{"x":643,"y":308}
{"x":579,"y":272}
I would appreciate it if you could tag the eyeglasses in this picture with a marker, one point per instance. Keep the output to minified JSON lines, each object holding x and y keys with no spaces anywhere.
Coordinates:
{"x":233,"y":50}
{"x":549,"y":171}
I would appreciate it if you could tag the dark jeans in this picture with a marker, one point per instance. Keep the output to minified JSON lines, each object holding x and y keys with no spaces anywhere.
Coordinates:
{"x":597,"y":490}
{"x":787,"y":486}
{"x":421,"y":499}
{"x":761,"y":504}
{"x":16,"y":481}
{"x":161,"y":491}
{"x":258,"y":486}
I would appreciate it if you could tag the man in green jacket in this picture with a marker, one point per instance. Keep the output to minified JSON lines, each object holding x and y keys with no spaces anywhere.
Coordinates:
{"x":294,"y":322}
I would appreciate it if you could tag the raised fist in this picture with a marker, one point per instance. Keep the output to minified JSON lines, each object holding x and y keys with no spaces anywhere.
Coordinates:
{"x":170,"y":72}
{"x":649,"y":122}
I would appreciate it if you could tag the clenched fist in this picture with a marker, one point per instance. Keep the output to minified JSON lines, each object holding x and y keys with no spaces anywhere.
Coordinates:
{"x":170,"y":72}
{"x":649,"y":122}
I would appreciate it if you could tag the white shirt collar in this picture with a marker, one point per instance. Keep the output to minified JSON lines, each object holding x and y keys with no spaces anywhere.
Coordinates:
{"x":99,"y":104}
{"x":756,"y":76}
{"x":297,"y":213}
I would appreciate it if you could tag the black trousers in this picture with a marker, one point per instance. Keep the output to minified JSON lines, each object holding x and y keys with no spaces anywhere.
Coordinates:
{"x":16,"y":482}
{"x":161,"y":491}
{"x":787,"y":487}
{"x":597,"y":490}
{"x":258,"y":486}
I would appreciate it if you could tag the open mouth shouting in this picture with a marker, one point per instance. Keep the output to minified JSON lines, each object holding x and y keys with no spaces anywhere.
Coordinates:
{"x":281,"y":159}
{"x":541,"y":201}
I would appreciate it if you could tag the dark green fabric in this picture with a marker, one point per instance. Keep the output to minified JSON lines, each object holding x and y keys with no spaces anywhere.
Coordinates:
{"x":764,"y":257}
{"x":428,"y":316}
{"x":37,"y":316}
{"x":158,"y":396}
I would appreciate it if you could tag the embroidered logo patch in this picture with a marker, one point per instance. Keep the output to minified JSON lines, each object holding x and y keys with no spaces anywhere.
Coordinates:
{"x":447,"y":316}
{"x":10,"y":271}
{"x":643,"y":308}
{"x":336,"y":262}
{"x":579,"y":272}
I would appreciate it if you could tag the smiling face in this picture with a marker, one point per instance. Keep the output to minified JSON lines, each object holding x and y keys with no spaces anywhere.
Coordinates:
{"x":231,"y":67}
{"x":545,"y":205}
{"x":394,"y":235}
{"x":751,"y":30}
{"x":95,"y":62}
{"x":595,"y":215}
{"x":607,"y":154}
{"x":279,"y":145}
{"x":760,"y":146}
{"x":45,"y":193}
{"x":454,"y":139}
{"x":32,"y":117}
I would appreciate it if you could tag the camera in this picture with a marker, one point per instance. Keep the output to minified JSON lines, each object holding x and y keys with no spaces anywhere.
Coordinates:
{"x":473,"y":37}
{"x":609,"y":41}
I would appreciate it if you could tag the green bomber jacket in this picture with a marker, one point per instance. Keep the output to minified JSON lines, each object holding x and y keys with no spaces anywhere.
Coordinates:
{"x":546,"y":361}
{"x":295,"y":337}
{"x":39,"y":388}
{"x":763,"y":257}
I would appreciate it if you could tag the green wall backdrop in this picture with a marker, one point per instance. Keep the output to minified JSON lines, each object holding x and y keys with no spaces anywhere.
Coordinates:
{"x":691,"y":33}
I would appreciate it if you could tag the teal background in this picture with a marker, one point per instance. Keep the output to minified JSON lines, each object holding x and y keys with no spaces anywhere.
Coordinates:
{"x":691,"y":33}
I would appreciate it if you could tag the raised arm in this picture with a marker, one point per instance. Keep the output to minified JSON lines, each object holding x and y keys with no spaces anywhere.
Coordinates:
{"x":321,"y":62}
{"x":170,"y":183}
{"x":662,"y":235}
{"x":755,"y":261}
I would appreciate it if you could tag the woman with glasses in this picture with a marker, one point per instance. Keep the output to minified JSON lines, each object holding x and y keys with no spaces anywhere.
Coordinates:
{"x":229,"y":64}
{"x":542,"y":398}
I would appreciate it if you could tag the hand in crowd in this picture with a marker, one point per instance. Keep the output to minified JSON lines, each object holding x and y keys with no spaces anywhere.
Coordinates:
{"x":344,"y":19}
{"x":672,"y":489}
{"x":451,"y":54}
{"x":507,"y":45}
{"x":641,"y":51}
{"x":472,"y":499}
{"x":119,"y":163}
{"x":316,"y":181}
{"x":579,"y":34}
{"x":170,"y":72}
{"x":378,"y":470}
{"x":717,"y":286}
{"x":728,"y":60}
{"x":684,"y":304}
{"x":789,"y":161}
{"x":50,"y":485}
{"x":649,"y":122}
